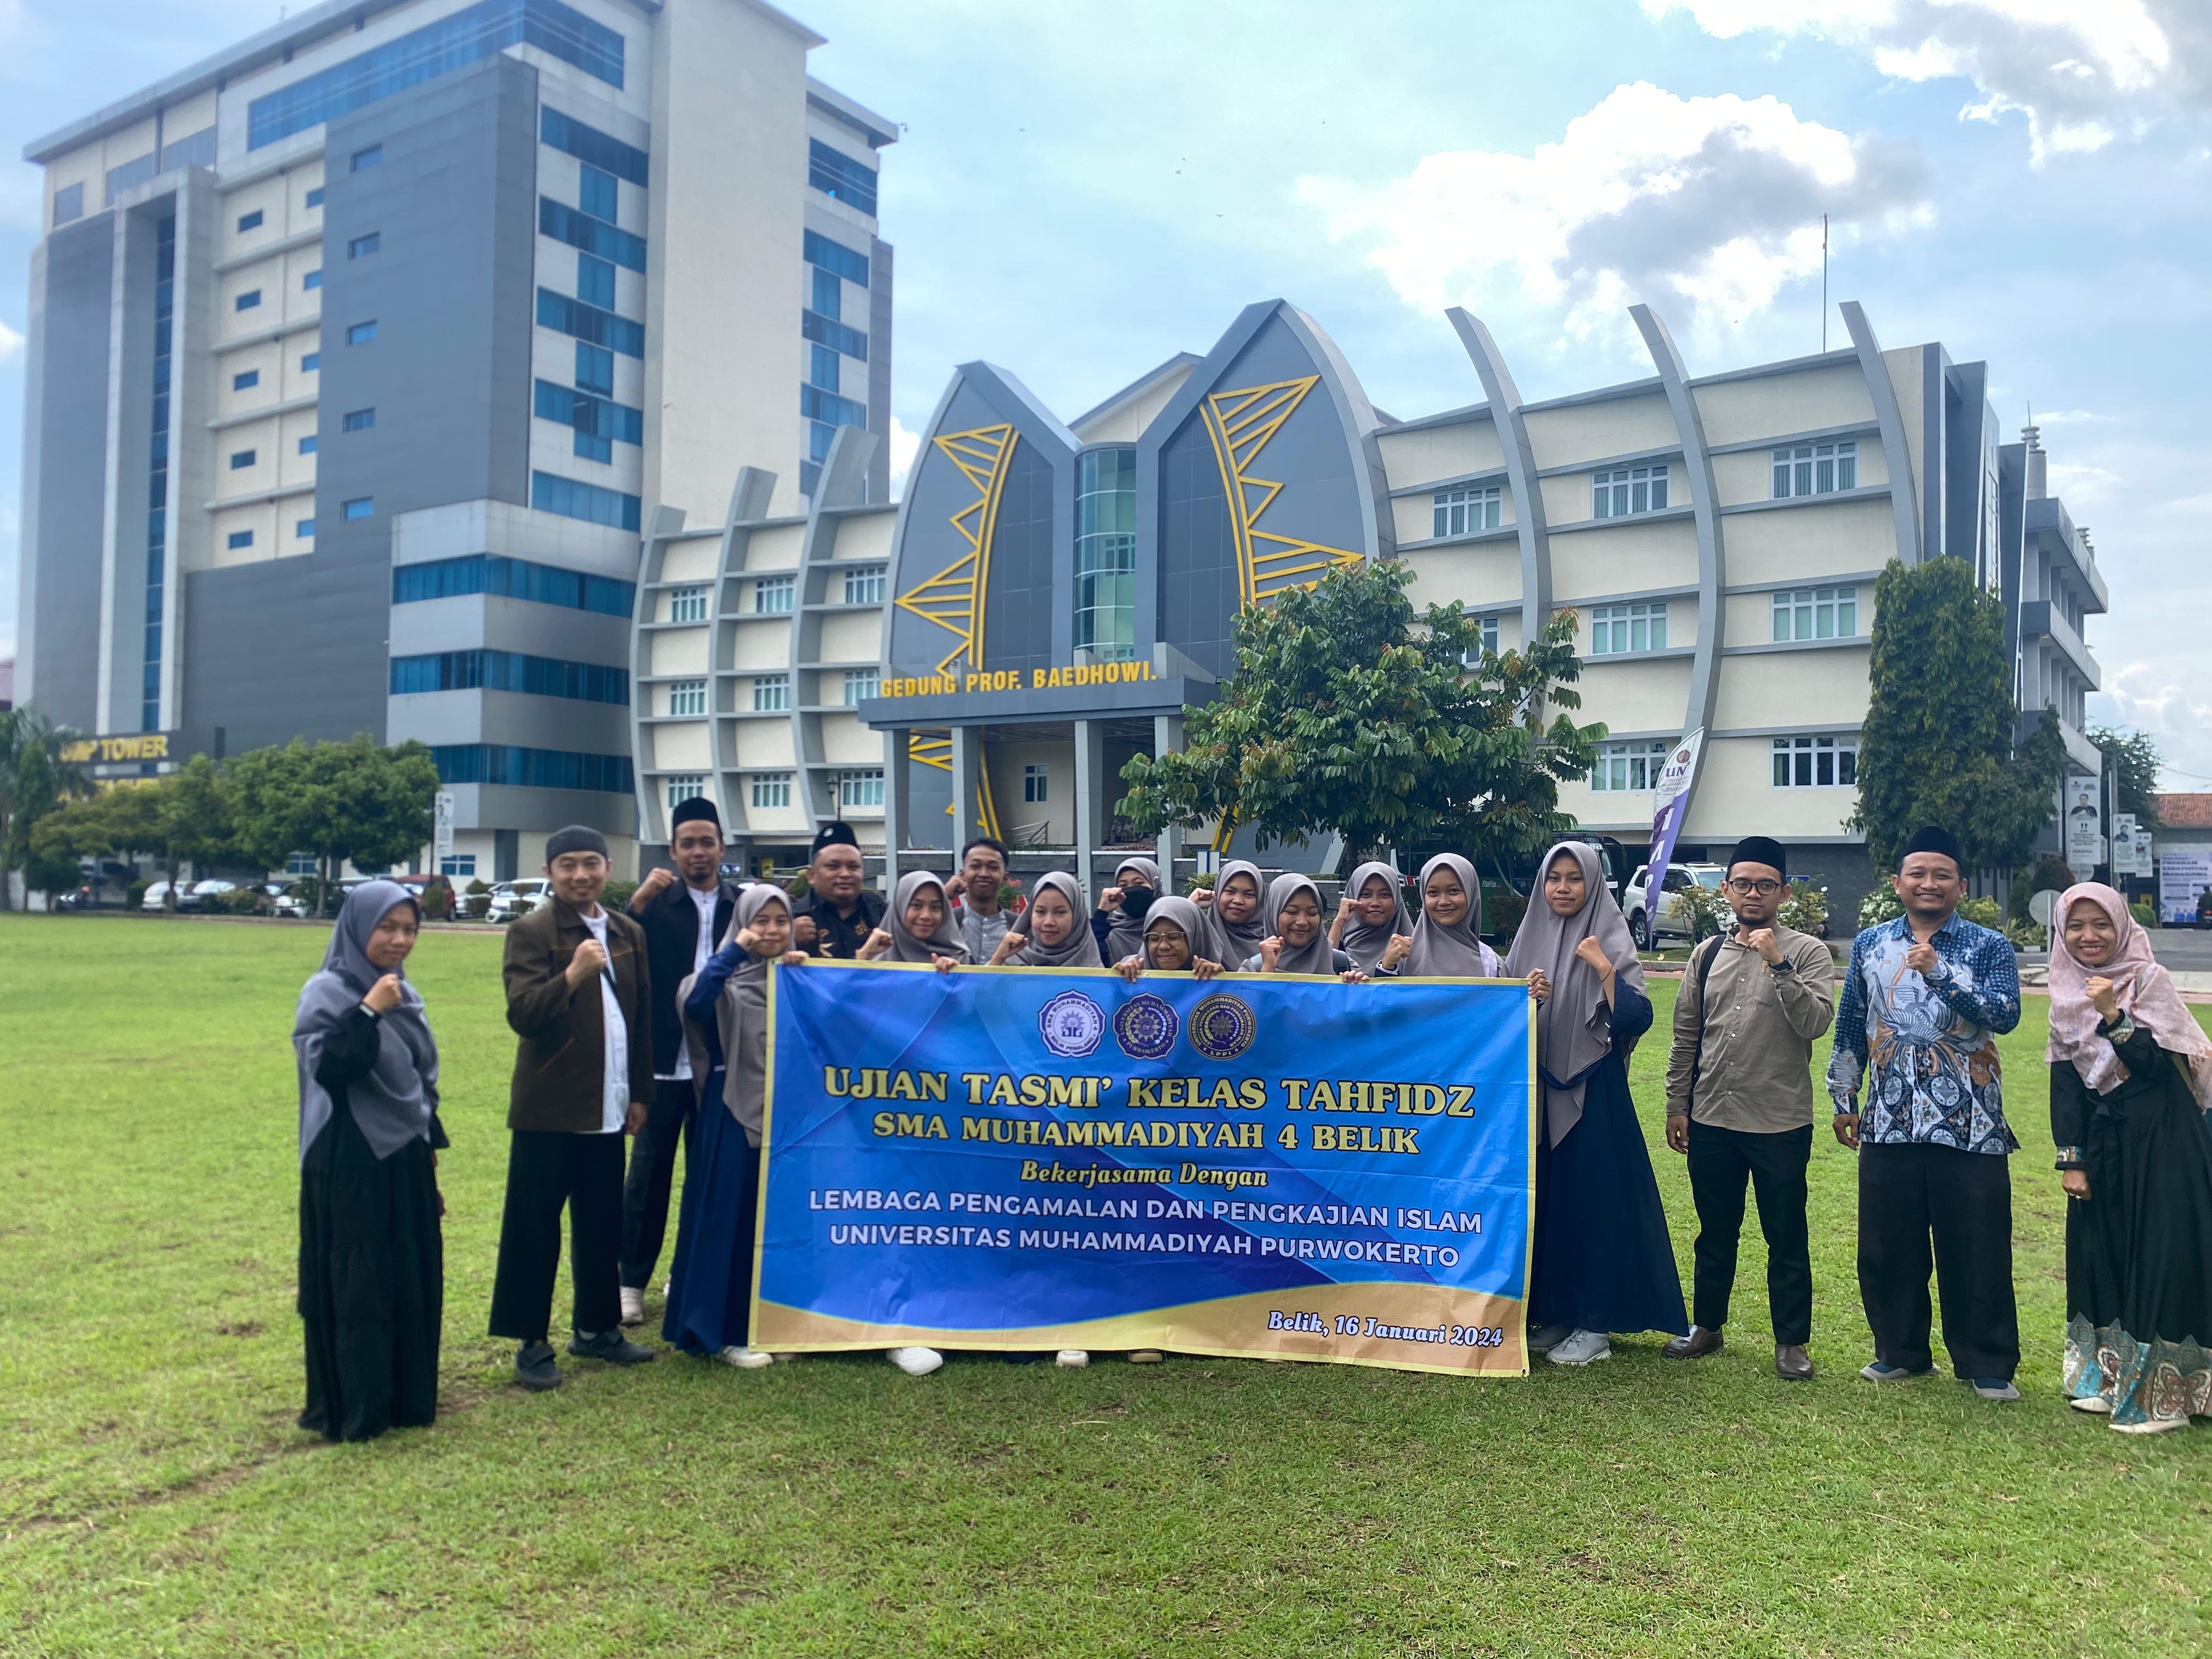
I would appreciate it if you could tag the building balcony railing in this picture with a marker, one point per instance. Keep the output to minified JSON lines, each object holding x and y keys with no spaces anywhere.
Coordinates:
{"x":2051,"y":529}
{"x":2041,"y":618}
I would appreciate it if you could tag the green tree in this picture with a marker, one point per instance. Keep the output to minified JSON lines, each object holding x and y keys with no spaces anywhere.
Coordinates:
{"x":1940,"y":742}
{"x":22,"y":730}
{"x":338,"y":801}
{"x":1350,"y":713}
{"x":2133,"y":758}
{"x":37,"y":796}
{"x":195,"y":817}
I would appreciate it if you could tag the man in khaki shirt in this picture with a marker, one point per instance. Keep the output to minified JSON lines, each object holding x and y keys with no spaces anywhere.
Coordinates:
{"x":1740,"y":1102}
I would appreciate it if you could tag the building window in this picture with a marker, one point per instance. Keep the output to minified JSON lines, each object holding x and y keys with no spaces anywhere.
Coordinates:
{"x":571,"y":498}
{"x":362,"y":333}
{"x":580,"y":230}
{"x":688,"y":697}
{"x":246,"y":381}
{"x":1816,"y":762}
{"x":362,"y":246}
{"x":828,"y":294}
{"x":311,"y":362}
{"x":816,"y":404}
{"x":240,"y":459}
{"x":361,"y":506}
{"x":595,"y":282}
{"x":363,"y":159}
{"x":685,"y":785}
{"x":1815,"y":470}
{"x":1487,"y":627}
{"x":1463,"y":512}
{"x":249,"y":221}
{"x":595,"y":369}
{"x":572,"y":138}
{"x":312,"y":281}
{"x":771,"y":694}
{"x":828,"y":330}
{"x":772,"y":595}
{"x":303,"y":528}
{"x":300,"y":864}
{"x":837,"y":257}
{"x":1628,"y":490}
{"x":457,"y":864}
{"x":862,"y":684}
{"x":572,"y":316}
{"x":247,"y":301}
{"x":860,"y":788}
{"x":514,"y":578}
{"x":1106,"y":554}
{"x":509,"y":670}
{"x":1036,"y":783}
{"x":1629,"y":768}
{"x":315,"y":197}
{"x":533,"y":768}
{"x":69,"y":205}
{"x":687,"y":605}
{"x":822,"y":368}
{"x":1816,"y":613}
{"x":1616,"y":629}
{"x":865,"y":587}
{"x":837,"y":175}
{"x":771,"y":789}
{"x":240,"y":538}
{"x":307,"y":444}
{"x":596,"y":193}
{"x":359,"y":420}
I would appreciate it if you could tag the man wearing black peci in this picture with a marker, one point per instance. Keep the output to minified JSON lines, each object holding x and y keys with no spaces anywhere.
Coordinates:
{"x":684,"y":913}
{"x":835,"y":915}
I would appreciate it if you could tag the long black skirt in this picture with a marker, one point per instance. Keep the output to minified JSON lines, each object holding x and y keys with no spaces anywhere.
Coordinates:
{"x":371,"y":1283}
{"x":2139,"y":1259}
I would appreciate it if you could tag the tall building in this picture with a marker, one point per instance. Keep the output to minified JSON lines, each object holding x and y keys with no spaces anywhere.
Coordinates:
{"x":360,"y":354}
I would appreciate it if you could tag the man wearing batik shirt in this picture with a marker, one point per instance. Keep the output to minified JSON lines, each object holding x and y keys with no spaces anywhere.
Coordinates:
{"x":1925,"y":1002}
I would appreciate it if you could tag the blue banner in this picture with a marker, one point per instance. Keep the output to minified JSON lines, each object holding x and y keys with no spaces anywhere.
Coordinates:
{"x":1025,"y":1159}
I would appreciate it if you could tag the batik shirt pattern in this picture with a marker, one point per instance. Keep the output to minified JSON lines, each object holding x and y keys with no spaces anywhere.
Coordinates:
{"x":1924,"y":1050}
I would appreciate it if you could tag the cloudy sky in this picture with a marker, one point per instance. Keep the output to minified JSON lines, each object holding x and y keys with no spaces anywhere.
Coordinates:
{"x":1082,"y":190}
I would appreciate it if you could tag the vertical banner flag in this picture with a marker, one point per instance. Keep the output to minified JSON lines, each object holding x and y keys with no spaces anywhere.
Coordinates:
{"x":2124,"y":845}
{"x":1670,"y":803}
{"x":2085,"y":824}
{"x":442,"y":816}
{"x":1035,"y":1160}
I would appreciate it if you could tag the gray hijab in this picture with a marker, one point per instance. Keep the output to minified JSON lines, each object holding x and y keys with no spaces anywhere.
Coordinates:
{"x":1237,"y":942}
{"x":1455,"y":951}
{"x":1363,"y":944}
{"x":1181,"y":913}
{"x":907,"y":946}
{"x":393,"y":1105}
{"x":1574,"y":1030}
{"x":1318,"y":955}
{"x":1078,"y":949}
{"x":1126,"y":936}
{"x":741,"y":1018}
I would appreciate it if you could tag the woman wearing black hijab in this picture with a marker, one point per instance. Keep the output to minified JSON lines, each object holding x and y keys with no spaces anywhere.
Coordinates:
{"x":372,"y":1257}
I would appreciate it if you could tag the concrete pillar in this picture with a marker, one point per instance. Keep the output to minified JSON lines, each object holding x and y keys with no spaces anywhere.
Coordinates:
{"x":1089,"y":800}
{"x":896,"y":807}
{"x":967,"y":784}
{"x":1167,"y":738}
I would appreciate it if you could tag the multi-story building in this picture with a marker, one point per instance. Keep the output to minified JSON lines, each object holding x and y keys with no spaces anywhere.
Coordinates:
{"x":360,"y":354}
{"x":1062,"y":592}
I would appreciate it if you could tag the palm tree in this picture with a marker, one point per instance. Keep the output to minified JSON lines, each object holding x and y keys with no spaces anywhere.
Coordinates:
{"x":22,"y":730}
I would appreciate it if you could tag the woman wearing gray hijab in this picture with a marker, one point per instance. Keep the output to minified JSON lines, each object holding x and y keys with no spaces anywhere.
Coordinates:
{"x":917,"y":926}
{"x":1234,"y":913}
{"x":1175,"y":937}
{"x":1447,"y":941}
{"x":1603,"y":1262}
{"x":1052,"y":932}
{"x":1296,"y":944}
{"x":1119,"y":922}
{"x":1371,"y":914}
{"x":372,"y":1256}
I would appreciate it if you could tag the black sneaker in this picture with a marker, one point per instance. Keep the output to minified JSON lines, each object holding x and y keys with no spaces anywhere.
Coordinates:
{"x":610,"y":1345}
{"x":534,"y":1367}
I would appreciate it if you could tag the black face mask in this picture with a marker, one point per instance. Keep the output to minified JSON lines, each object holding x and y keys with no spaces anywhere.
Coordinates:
{"x":1135,"y":901}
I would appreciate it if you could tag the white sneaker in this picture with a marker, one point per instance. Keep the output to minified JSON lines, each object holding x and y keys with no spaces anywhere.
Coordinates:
{"x":1072,"y":1359}
{"x":1581,"y":1348}
{"x":2096,"y":1405}
{"x":916,"y":1362}
{"x":2154,"y":1425}
{"x":745,"y":1360}
{"x":633,"y":1306}
{"x":783,"y":1358}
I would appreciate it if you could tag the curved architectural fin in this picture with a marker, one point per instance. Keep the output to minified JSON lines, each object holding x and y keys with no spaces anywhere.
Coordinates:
{"x":1520,"y":469}
{"x":1903,"y":499}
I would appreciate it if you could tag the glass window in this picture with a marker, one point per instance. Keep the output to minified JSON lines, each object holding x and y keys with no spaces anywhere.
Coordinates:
{"x":361,"y":333}
{"x":571,"y":498}
{"x":1626,"y":490}
{"x":1815,"y":468}
{"x":1488,"y":627}
{"x":249,"y":221}
{"x":1617,"y":629}
{"x":770,"y":789}
{"x":68,"y":205}
{"x":311,"y":362}
{"x":457,"y":864}
{"x":835,"y":256}
{"x":303,"y":528}
{"x":838,"y":175}
{"x":537,"y":768}
{"x":240,"y":459}
{"x":595,"y":369}
{"x":359,"y":420}
{"x":300,"y":864}
{"x":312,"y":281}
{"x":862,"y":684}
{"x":828,"y":294}
{"x":515,"y":578}
{"x":1106,"y":554}
{"x":1816,"y":762}
{"x":363,"y":159}
{"x":362,"y":246}
{"x":865,"y":585}
{"x":771,"y":694}
{"x":596,"y":193}
{"x":510,"y":671}
{"x":307,"y":444}
{"x":241,"y":538}
{"x":822,"y":368}
{"x":1036,"y":783}
{"x":595,"y":282}
{"x":772,"y":595}
{"x":247,"y":301}
{"x":828,"y":330}
{"x":572,"y":316}
{"x":580,"y":230}
{"x":682,"y":787}
{"x":1816,"y":613}
{"x":1629,"y":768}
{"x":687,"y":605}
{"x":569,"y":135}
{"x":688,"y":697}
{"x":1464,"y":512}
{"x":361,"y":506}
{"x":246,"y":381}
{"x":315,"y":197}
{"x":860,"y":788}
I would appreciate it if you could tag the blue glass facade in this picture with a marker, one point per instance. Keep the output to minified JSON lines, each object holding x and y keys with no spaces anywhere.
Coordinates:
{"x":157,"y":473}
{"x":838,"y":175}
{"x":513,"y":579}
{"x":574,"y":499}
{"x":509,"y":670}
{"x":536,"y":769}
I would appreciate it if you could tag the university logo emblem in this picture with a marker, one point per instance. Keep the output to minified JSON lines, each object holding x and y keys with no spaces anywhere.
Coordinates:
{"x":1071,"y":1025}
{"x":1222,"y":1027}
{"x":1144,"y":1026}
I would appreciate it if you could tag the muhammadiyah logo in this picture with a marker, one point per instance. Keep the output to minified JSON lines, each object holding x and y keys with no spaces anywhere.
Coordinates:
{"x":1071,"y":1025}
{"x":1222,"y":1027}
{"x":1144,"y":1026}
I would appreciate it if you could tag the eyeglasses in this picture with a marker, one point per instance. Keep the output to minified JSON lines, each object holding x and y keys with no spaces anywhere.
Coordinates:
{"x":1764,"y":889}
{"x":1164,"y":939}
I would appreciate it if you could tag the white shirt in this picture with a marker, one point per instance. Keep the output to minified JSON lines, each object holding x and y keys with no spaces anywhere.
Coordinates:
{"x":615,"y":1107}
{"x":701,"y":948}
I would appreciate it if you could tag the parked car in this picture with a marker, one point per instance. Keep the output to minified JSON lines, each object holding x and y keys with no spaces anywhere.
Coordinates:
{"x":283,"y":900}
{"x":192,"y":897}
{"x":157,"y":896}
{"x":510,"y":899}
{"x":1649,"y":921}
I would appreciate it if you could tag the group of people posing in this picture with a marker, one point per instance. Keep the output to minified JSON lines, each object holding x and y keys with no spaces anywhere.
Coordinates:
{"x":651,"y":1026}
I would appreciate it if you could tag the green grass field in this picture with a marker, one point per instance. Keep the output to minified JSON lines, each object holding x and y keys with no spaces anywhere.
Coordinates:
{"x":154,"y":1498}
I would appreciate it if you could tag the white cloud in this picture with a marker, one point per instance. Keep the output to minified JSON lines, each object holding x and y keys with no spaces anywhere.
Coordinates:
{"x":1715,"y":202}
{"x":11,"y":343}
{"x":2070,"y":417}
{"x":2146,"y":702}
{"x":2079,"y":485}
{"x":2081,"y":72}
{"x":904,"y":444}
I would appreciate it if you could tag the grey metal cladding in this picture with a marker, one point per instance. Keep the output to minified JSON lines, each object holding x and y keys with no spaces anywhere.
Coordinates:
{"x":1712,"y":562}
{"x":1195,"y":579}
{"x":1902,"y":502}
{"x":1507,"y":415}
{"x":64,"y":503}
{"x":880,"y":265}
{"x":1018,"y":596}
{"x":288,"y":648}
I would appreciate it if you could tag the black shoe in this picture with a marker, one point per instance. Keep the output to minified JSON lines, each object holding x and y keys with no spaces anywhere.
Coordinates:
{"x":534,"y":1367}
{"x":610,"y":1345}
{"x":1696,"y":1345}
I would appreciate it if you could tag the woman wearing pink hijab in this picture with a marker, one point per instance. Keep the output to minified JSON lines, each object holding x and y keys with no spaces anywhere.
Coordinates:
{"x":2131,"y":1078}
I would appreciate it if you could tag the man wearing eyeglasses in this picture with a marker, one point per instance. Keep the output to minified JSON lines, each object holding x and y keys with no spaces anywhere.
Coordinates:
{"x":1740,"y":1102}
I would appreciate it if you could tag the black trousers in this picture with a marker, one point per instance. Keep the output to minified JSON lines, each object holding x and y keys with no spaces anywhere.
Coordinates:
{"x":1721,"y":1162}
{"x":546,"y":1170}
{"x":669,"y":1121}
{"x":1909,"y":1194}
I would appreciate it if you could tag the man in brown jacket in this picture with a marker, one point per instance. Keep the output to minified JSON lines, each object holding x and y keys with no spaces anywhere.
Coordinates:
{"x":580,"y":997}
{"x":1740,"y":1102}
